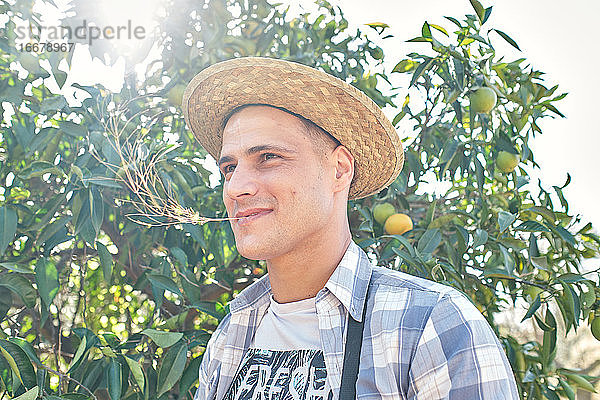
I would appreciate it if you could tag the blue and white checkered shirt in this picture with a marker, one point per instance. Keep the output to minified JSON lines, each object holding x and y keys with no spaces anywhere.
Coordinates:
{"x":422,"y":340}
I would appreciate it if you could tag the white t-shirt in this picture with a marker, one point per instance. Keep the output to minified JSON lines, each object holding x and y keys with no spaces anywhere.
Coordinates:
{"x":285,"y":360}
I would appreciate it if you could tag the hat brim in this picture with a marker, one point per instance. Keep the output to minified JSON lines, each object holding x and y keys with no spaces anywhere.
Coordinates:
{"x":336,"y":106}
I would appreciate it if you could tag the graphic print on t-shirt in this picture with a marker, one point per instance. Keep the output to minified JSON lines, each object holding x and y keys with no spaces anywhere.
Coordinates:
{"x":281,"y":375}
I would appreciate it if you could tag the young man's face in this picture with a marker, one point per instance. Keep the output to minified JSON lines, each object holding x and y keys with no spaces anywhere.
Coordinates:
{"x":269,"y":164}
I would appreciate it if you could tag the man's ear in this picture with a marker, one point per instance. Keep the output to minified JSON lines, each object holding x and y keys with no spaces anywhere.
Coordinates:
{"x":344,"y":167}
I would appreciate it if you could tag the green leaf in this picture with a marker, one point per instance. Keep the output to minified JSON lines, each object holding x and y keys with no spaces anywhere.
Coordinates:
{"x":534,"y":251}
{"x":106,"y":260}
{"x":531,"y":226}
{"x":549,"y":339}
{"x":420,"y":70}
{"x":19,"y":363}
{"x":439,"y":28}
{"x":27,"y":348}
{"x":505,"y":219}
{"x":509,"y":262}
{"x":425,"y":31}
{"x":162,"y":338}
{"x":479,"y":10}
{"x":481,"y":237}
{"x":81,"y":349}
{"x":405,"y":242}
{"x":511,"y":242}
{"x":163,"y":282}
{"x":570,"y":277}
{"x":405,"y":66}
{"x":430,"y":213}
{"x":39,"y":168}
{"x":171,"y":368}
{"x":540,"y":262}
{"x":565,"y":235}
{"x":580,"y":381}
{"x":208,"y":307}
{"x":21,"y":286}
{"x":102,"y":181}
{"x":545,"y":327}
{"x":449,"y":150}
{"x":94,"y":371}
{"x":46,"y":278}
{"x":8,"y":227}
{"x":114,"y":381}
{"x":31,"y":394}
{"x":507,"y":38}
{"x":543,"y":211}
{"x":571,"y":307}
{"x":533,"y":308}
{"x":175,"y":321}
{"x":190,"y":375}
{"x":568,"y":390}
{"x":112,"y":340}
{"x":136,"y":370}
{"x":429,"y":241}
{"x":420,"y":39}
{"x":551,"y":394}
{"x":378,"y":25}
{"x":52,"y":228}
{"x":6,"y":303}
{"x":179,"y":256}
{"x":72,"y":129}
{"x":497,"y":273}
{"x":554,"y":109}
{"x":22,"y":269}
{"x":91,"y":338}
{"x":53,"y":103}
{"x":488,"y":12}
{"x":96,"y":209}
{"x":196,"y":232}
{"x":454,"y":21}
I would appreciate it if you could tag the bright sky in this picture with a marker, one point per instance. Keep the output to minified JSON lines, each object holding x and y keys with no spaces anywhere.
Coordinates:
{"x":557,"y":40}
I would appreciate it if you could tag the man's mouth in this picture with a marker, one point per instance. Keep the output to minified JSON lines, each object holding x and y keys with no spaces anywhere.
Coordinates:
{"x":251,"y":217}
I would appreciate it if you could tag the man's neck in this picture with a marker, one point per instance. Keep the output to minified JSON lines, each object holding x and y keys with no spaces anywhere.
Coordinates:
{"x":300,"y":275}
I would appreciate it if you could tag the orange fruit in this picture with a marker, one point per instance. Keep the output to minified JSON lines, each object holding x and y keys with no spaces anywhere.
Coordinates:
{"x":596,"y":327}
{"x":397,"y":224}
{"x":483,"y":100}
{"x":507,"y":162}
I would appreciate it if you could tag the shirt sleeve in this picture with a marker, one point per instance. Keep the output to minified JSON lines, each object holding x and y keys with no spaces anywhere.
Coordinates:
{"x":210,"y":365}
{"x":459,"y":357}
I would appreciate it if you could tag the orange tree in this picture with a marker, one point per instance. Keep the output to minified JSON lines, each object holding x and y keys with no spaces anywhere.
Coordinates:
{"x":95,"y":305}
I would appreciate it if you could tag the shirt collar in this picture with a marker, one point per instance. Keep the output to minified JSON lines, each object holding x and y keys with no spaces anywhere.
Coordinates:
{"x":348,"y":284}
{"x":350,"y":280}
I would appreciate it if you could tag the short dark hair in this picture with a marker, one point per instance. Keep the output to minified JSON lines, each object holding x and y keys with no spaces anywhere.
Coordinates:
{"x":320,"y":138}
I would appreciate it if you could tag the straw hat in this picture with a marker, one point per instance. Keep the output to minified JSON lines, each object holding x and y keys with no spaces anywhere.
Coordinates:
{"x":336,"y":106}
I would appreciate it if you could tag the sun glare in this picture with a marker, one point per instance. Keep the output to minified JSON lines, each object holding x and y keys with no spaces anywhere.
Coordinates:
{"x":129,"y":25}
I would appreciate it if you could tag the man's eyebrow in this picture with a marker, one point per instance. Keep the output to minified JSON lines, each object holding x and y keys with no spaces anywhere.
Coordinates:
{"x":258,"y":149}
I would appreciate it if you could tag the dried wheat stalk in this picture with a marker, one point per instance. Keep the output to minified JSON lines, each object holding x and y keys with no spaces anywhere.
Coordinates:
{"x":156,"y":200}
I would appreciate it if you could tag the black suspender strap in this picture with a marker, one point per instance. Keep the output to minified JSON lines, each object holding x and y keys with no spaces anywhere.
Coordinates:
{"x":352,"y":349}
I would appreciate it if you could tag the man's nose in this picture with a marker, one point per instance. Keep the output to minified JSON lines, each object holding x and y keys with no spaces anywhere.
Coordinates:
{"x":242,"y":181}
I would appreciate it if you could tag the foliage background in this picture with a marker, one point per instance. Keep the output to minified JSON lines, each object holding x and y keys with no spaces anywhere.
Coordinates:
{"x":97,"y":306}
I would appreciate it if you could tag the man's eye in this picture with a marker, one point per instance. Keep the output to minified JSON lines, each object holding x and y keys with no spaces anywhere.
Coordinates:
{"x":266,"y":157}
{"x":269,"y":154}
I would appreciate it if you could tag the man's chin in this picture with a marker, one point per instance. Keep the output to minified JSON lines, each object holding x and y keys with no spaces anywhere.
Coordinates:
{"x":252,"y":254}
{"x":255,"y":249}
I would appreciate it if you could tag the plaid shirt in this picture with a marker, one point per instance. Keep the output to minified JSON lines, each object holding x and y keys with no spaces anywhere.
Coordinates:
{"x":422,"y":340}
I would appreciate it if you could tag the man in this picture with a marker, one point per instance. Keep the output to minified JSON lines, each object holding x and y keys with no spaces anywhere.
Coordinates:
{"x":294,"y":144}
